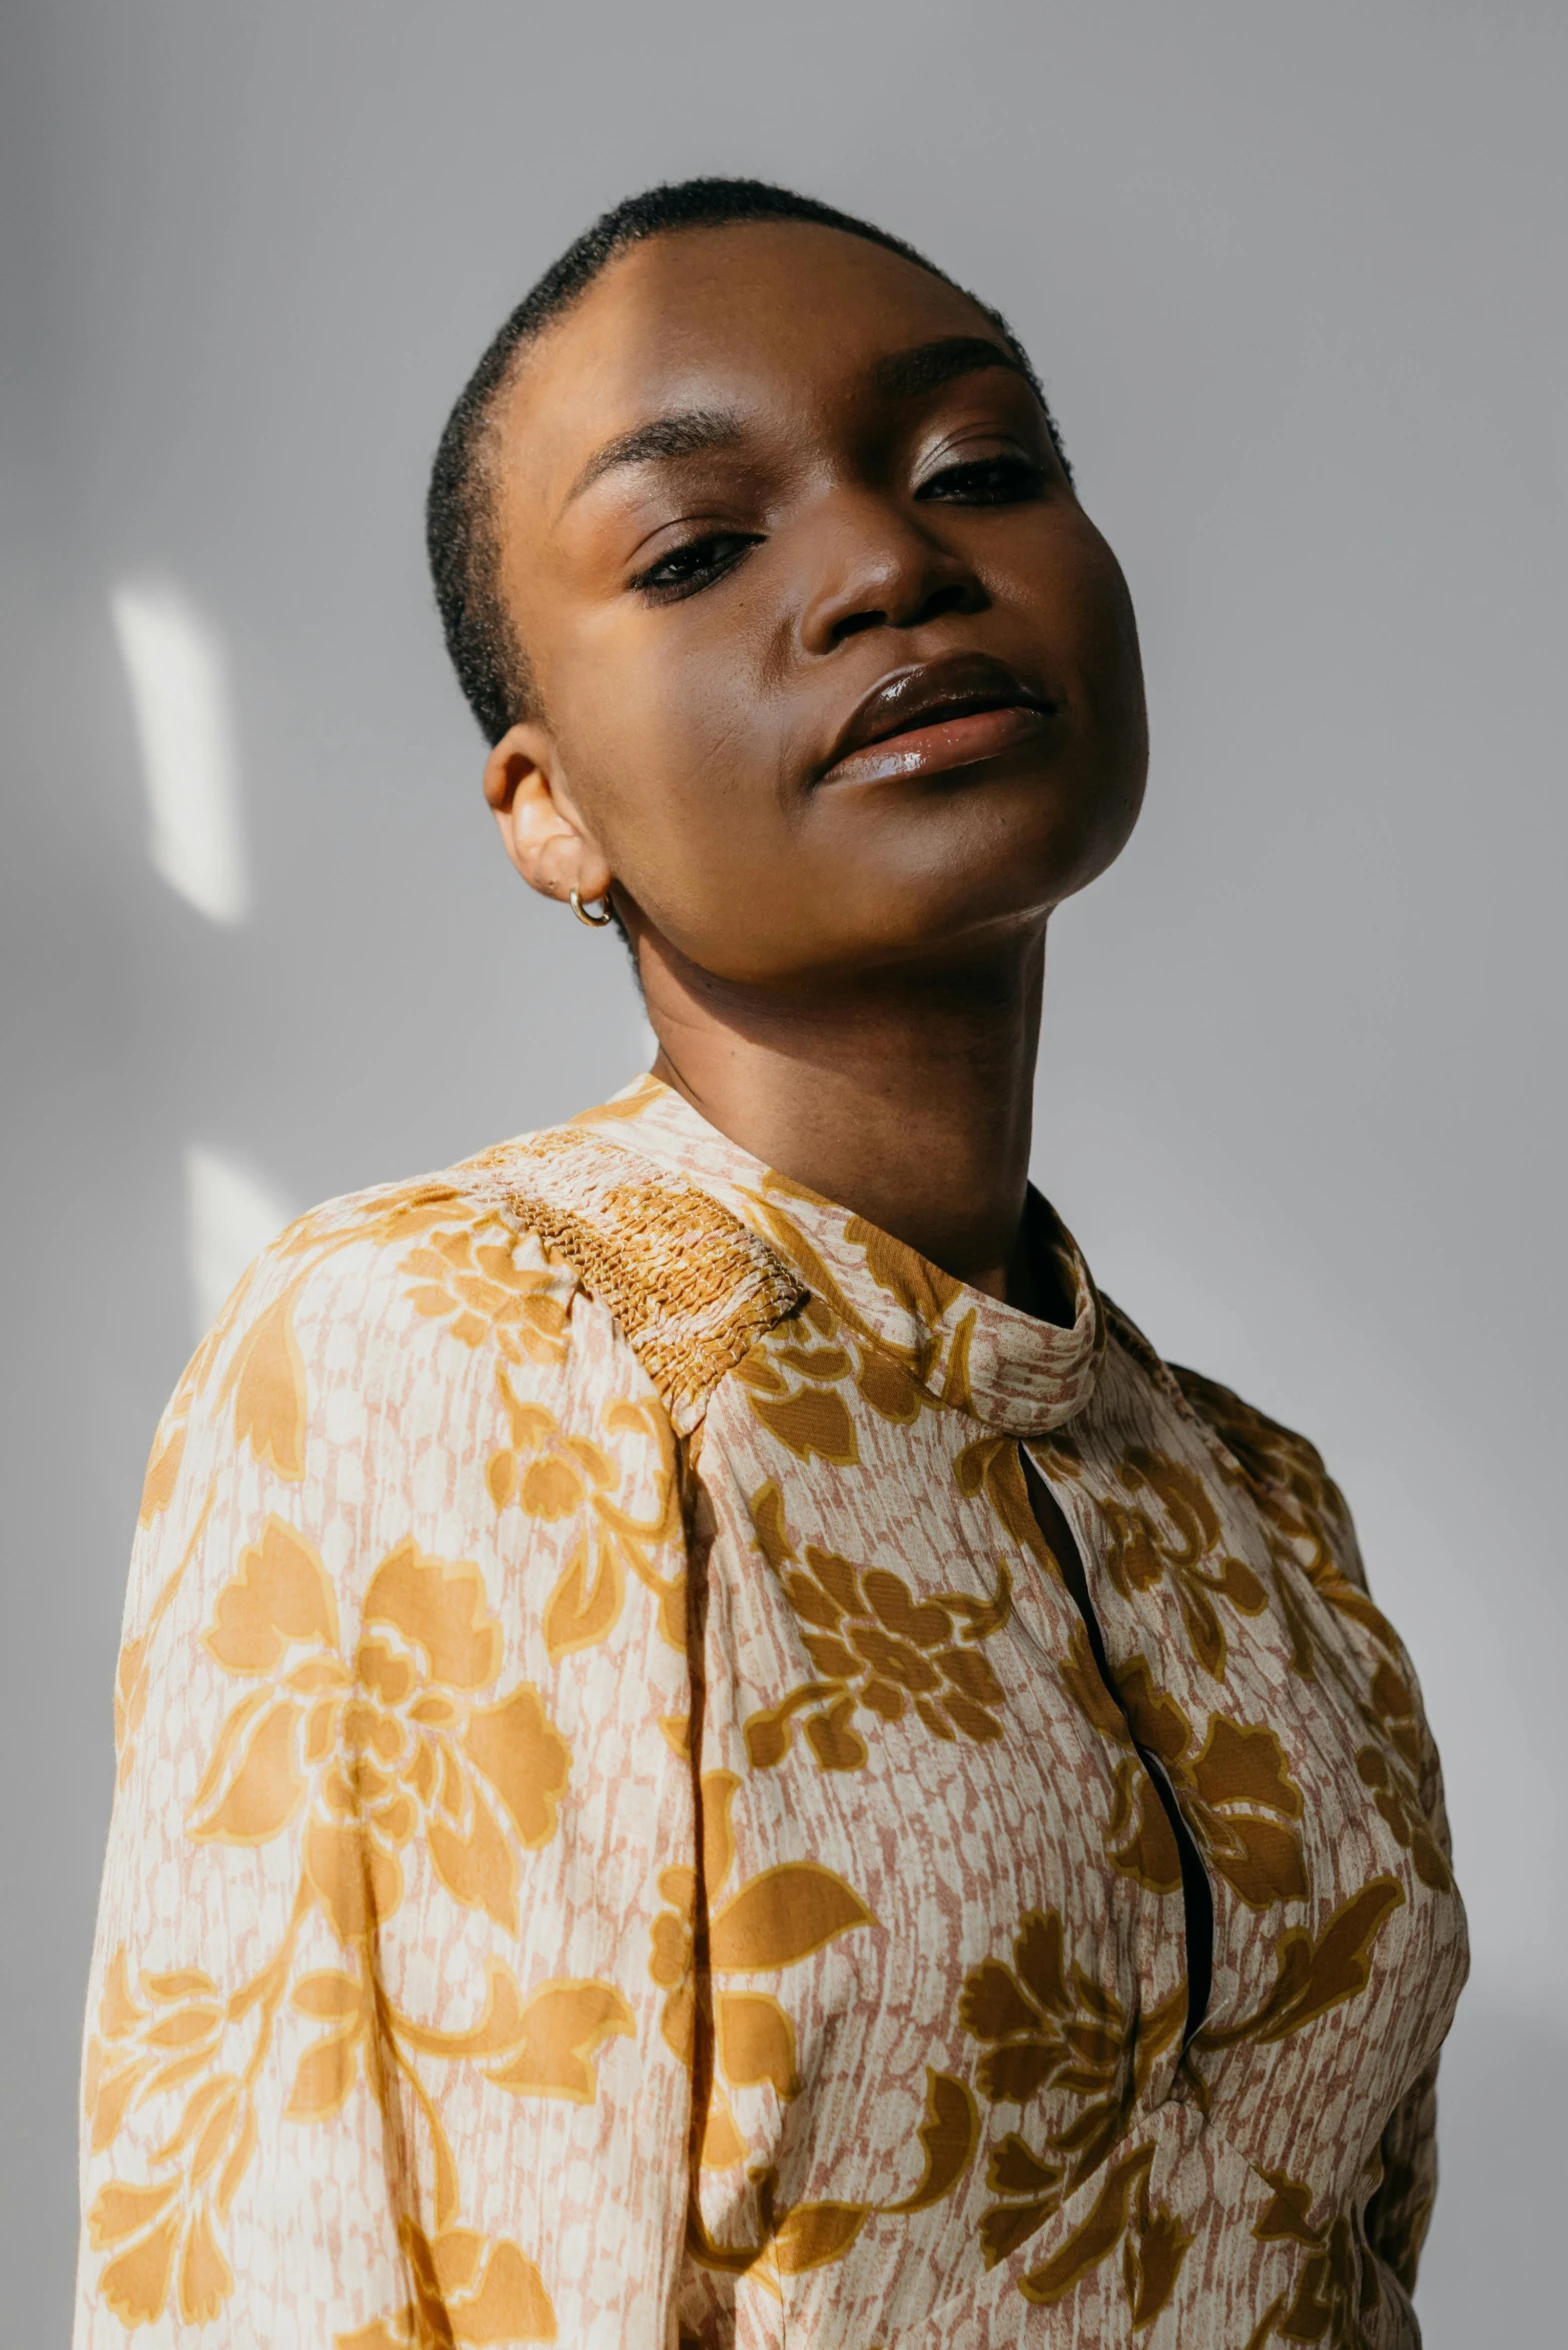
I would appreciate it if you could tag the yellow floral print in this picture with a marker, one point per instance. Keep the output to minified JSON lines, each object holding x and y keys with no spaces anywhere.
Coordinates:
{"x":552,"y":1474}
{"x":1048,"y":2027}
{"x":1171,"y":1528}
{"x":1337,"y":2292}
{"x":469,"y":2290}
{"x":876,"y":1645}
{"x":1153,"y":2243}
{"x":486,"y":1959}
{"x":373,"y":1753}
{"x":1235,"y":1791}
{"x":484,"y":1297}
{"x":776,"y":1919}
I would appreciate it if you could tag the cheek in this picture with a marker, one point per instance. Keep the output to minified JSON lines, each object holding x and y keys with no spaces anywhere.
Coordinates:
{"x":1087,"y":616}
{"x":677,"y":753}
{"x":672,"y":760}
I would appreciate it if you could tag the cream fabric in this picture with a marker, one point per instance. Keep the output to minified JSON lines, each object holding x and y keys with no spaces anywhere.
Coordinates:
{"x":621,"y":1836}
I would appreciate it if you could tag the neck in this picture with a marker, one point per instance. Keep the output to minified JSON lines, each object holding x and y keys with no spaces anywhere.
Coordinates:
{"x":904,"y":1095}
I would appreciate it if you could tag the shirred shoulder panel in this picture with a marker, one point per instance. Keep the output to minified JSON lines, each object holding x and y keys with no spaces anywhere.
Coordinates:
{"x":691,"y":1287}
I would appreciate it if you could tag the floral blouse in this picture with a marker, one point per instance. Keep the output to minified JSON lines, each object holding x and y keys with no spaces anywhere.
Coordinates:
{"x":624,"y":1836}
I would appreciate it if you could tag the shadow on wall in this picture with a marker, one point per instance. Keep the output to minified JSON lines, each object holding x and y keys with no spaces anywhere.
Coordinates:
{"x":1502,"y":2093}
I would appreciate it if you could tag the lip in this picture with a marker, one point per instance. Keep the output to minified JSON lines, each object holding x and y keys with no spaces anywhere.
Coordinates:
{"x":934,"y":716}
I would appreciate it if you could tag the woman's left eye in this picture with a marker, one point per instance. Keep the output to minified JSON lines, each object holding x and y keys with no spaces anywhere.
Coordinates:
{"x":695,"y":565}
{"x":986,"y":481}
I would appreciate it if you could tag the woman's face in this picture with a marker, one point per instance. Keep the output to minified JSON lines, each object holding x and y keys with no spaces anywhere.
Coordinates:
{"x":832,"y":670}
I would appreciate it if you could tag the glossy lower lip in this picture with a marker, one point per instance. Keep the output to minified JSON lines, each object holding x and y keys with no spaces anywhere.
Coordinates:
{"x":961,"y":741}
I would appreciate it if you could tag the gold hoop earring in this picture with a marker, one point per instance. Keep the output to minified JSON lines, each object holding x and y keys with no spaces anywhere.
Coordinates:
{"x":594,"y":921}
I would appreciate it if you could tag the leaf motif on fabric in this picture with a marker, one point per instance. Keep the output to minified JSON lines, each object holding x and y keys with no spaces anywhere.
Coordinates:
{"x":721,"y":2145}
{"x":439,"y":1606}
{"x":266,"y":1377}
{"x":255,"y":1785}
{"x":813,"y":2234}
{"x":563,"y":2027}
{"x":206,"y":2279}
{"x":525,"y":1758}
{"x":163,"y":1471}
{"x":357,"y":1883}
{"x":1316,"y":1972}
{"x":586,"y":1601}
{"x":280,"y":1597}
{"x":815,"y":1422}
{"x":476,"y":1865}
{"x":1236,"y":1793}
{"x":471,"y":2292}
{"x":136,"y":2285}
{"x":324,"y":2077}
{"x":948,"y":2135}
{"x":782,"y":1916}
{"x":756,"y":2042}
{"x":1095,"y":2237}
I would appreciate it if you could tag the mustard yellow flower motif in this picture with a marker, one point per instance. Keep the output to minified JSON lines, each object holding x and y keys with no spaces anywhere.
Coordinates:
{"x":164,"y":2234}
{"x":1305,"y":1520}
{"x":775,"y":1919}
{"x":876,"y":1645}
{"x":1169,"y":1528}
{"x":1235,"y":1792}
{"x":1305,"y":1517}
{"x":485,"y":1297}
{"x":1391,"y":1770}
{"x":899,"y":1382}
{"x":1046,"y":2025}
{"x":468,"y":2289}
{"x":1338,"y":2290}
{"x":1152,"y":2241}
{"x":793,"y":1390}
{"x":372,"y":1754}
{"x":553,"y":1474}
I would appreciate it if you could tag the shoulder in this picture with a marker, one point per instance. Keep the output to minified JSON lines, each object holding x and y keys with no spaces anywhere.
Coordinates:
{"x":542,"y":1251}
{"x":1284,"y":1471}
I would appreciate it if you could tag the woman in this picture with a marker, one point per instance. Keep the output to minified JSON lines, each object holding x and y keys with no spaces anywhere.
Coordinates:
{"x":713,"y":1749}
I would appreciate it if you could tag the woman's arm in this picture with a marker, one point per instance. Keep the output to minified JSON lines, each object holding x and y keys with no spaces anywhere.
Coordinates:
{"x":374,"y":2052}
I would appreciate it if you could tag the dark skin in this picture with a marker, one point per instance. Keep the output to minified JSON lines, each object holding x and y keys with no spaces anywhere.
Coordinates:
{"x":756,"y":473}
{"x":849,"y":484}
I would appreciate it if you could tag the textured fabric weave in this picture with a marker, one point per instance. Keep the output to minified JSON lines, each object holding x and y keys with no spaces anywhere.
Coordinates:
{"x":622,"y":1838}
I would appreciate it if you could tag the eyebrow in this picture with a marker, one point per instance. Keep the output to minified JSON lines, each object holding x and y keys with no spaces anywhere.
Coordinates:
{"x":904,"y":375}
{"x":900,"y":375}
{"x":686,"y":434}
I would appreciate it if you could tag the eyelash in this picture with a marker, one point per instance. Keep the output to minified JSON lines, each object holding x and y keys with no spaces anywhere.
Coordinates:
{"x":981,"y":481}
{"x":668,"y":590}
{"x":986,"y":481}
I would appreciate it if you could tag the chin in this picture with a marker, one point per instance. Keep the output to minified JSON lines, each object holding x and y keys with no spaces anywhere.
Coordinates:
{"x":1025,"y":871}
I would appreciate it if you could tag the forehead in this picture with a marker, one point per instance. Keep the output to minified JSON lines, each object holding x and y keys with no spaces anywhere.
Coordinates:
{"x":783,"y":316}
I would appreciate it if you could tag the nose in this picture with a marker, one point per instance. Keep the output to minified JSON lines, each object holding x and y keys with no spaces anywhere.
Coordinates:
{"x":877,"y":568}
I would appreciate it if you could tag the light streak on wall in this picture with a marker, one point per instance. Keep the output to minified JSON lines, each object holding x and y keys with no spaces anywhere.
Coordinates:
{"x":174,"y":663}
{"x":231,"y":1212}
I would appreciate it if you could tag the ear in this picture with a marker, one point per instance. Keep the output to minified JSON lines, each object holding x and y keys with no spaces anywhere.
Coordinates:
{"x":545,"y":836}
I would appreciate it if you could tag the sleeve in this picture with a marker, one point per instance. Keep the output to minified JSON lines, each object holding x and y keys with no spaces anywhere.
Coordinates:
{"x":383,"y":2040}
{"x":1400,"y":2210}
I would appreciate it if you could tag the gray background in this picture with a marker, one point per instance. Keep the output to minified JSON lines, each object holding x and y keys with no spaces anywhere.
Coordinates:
{"x":1294,"y":278}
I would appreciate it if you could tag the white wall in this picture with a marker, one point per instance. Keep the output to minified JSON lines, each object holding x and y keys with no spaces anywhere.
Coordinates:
{"x":1294,"y":278}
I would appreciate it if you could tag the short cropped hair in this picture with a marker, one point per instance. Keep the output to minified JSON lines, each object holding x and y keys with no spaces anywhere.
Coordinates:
{"x":460,"y":526}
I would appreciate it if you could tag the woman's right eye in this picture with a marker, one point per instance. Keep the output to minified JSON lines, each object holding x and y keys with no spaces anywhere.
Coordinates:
{"x":685,"y":570}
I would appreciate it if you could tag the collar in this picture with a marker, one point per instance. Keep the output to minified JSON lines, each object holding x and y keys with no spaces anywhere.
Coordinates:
{"x":966,"y":1350}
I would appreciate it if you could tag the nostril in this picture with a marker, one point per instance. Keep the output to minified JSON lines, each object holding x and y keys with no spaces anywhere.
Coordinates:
{"x":957,"y":596}
{"x":853,"y":623}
